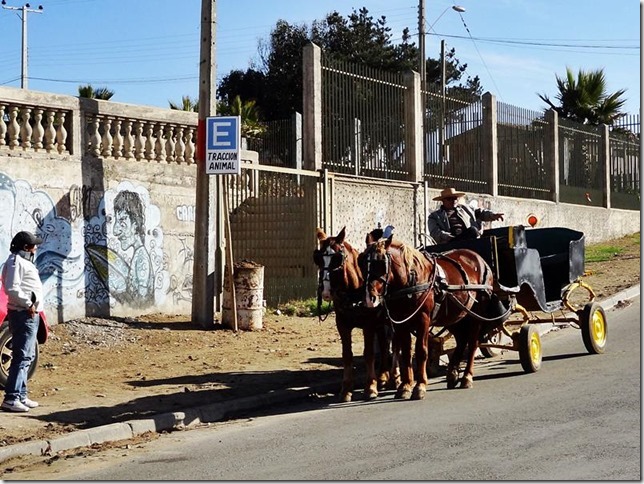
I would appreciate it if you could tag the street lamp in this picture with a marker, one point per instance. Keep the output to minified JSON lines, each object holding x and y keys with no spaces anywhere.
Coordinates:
{"x":25,"y":8}
{"x":422,"y":33}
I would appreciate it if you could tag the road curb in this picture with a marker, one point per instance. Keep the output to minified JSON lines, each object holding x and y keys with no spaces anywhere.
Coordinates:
{"x":210,"y":413}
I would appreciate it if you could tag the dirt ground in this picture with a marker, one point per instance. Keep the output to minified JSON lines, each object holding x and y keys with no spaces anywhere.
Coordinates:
{"x":96,"y":371}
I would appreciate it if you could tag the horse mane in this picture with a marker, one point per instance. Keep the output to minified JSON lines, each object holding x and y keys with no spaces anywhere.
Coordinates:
{"x":411,"y":257}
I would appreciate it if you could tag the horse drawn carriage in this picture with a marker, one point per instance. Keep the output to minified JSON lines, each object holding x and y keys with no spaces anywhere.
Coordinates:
{"x":471,"y":289}
{"x":536,"y":272}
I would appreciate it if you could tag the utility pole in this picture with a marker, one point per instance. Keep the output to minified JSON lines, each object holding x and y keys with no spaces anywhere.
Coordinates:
{"x":422,"y":66}
{"x":25,"y":8}
{"x":442,"y":152}
{"x":208,"y":254}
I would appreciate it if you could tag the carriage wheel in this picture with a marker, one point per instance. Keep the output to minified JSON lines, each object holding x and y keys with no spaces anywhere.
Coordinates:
{"x":530,"y":352}
{"x":490,"y":352}
{"x":592,"y":321}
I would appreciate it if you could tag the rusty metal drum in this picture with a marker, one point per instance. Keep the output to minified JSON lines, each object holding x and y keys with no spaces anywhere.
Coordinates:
{"x":248,"y":280}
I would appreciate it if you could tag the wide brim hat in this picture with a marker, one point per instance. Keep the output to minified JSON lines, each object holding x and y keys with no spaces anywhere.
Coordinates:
{"x":449,"y":193}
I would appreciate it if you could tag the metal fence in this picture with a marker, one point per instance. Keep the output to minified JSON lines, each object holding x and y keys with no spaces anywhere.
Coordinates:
{"x":261,"y":200}
{"x":279,"y":143}
{"x":580,"y":173}
{"x":363,"y":122}
{"x":452,"y":138}
{"x":523,"y":170}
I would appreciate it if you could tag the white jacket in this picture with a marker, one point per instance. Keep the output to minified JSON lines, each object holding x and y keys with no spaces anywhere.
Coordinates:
{"x":21,"y":280}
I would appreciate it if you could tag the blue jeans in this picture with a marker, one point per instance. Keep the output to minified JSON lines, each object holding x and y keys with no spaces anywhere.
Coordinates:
{"x":24,"y":329}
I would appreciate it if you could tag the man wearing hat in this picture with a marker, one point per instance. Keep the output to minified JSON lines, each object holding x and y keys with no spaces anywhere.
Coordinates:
{"x":21,"y":282}
{"x":457,"y":222}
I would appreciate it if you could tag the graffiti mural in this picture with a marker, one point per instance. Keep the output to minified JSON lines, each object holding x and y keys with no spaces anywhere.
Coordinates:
{"x":114,"y":256}
{"x":124,"y":245}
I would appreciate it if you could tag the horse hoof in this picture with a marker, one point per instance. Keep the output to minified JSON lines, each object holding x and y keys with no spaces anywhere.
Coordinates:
{"x":467,"y":382}
{"x":370,"y":395}
{"x":418,"y":393}
{"x":452,"y":380}
{"x":403,"y":394}
{"x":345,"y":397}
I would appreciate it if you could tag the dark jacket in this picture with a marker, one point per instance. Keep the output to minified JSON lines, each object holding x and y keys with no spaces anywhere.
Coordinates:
{"x":438,"y":223}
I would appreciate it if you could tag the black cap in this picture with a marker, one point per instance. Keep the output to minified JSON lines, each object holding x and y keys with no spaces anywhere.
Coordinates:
{"x":23,"y":238}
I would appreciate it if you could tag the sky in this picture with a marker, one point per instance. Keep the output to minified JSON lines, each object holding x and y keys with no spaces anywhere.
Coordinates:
{"x":147,"y":51}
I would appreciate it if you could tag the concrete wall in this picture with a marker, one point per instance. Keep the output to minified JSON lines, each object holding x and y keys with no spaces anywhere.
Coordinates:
{"x":70,"y":169}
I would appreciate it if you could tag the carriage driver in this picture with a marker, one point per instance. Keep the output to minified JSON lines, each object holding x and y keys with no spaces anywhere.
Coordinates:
{"x":453,"y":221}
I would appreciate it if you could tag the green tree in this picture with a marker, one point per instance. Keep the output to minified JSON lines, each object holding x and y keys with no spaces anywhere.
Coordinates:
{"x":187,"y":104}
{"x":276,"y":83}
{"x":585,"y":99}
{"x":89,"y":92}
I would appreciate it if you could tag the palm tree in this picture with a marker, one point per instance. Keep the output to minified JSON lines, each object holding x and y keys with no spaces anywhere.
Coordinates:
{"x":88,"y":91}
{"x":247,"y":111}
{"x":585,"y":99}
{"x":187,"y":104}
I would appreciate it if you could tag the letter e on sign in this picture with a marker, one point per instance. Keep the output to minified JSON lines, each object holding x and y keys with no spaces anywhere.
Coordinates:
{"x":223,"y":141}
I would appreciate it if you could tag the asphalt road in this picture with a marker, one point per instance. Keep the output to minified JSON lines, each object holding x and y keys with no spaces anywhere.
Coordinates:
{"x":578,"y":418}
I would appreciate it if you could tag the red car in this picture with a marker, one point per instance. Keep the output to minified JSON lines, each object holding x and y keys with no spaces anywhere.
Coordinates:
{"x":5,"y":339}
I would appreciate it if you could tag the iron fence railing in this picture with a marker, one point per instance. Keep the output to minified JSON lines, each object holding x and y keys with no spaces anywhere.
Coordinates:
{"x":580,"y":173}
{"x":453,"y":140}
{"x":523,"y":170}
{"x":363,"y":122}
{"x":279,"y":142}
{"x":260,"y":201}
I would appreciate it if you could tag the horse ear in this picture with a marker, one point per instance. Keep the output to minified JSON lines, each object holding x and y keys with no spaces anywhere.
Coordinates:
{"x":368,"y":239}
{"x":389,"y":241}
{"x":340,"y":237}
{"x":321,"y":235}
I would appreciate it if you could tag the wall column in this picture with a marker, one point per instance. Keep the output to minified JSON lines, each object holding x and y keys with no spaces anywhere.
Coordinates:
{"x":604,"y":164}
{"x":312,"y":103}
{"x":490,"y":145}
{"x":552,"y":152}
{"x":414,"y":127}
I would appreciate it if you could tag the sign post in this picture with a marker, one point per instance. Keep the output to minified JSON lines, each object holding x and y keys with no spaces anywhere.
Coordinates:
{"x":223,"y":157}
{"x":223,"y":145}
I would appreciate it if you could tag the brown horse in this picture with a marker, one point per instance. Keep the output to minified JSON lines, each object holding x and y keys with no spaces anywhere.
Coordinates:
{"x":418,"y":290}
{"x":340,"y":281}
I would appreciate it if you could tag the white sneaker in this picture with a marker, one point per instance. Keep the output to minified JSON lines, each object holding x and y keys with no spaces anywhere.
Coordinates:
{"x":15,"y":406}
{"x":29,"y":403}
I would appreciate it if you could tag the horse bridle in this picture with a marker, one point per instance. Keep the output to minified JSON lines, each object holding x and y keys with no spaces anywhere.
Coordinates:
{"x":384,"y":278}
{"x":325,"y":270}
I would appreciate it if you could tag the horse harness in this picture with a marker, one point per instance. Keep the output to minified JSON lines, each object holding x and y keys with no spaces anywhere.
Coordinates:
{"x":437,"y":283}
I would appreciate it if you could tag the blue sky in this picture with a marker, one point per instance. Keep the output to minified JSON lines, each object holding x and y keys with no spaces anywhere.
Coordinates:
{"x":147,"y":51}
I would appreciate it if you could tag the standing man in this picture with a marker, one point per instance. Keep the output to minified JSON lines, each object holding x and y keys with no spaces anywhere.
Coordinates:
{"x":25,"y":298}
{"x":457,"y":222}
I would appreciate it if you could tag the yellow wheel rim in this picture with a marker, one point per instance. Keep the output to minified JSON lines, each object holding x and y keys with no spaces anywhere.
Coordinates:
{"x":598,"y":328}
{"x":535,"y":348}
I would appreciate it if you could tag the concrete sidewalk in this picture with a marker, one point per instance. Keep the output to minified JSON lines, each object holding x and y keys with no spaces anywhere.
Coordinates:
{"x":194,"y":416}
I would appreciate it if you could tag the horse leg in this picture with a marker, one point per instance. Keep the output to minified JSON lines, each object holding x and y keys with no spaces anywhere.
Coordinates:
{"x":394,"y":372}
{"x":422,"y":354}
{"x":455,"y":358}
{"x":403,"y":339}
{"x":347,"y":362}
{"x":472,"y":333}
{"x":371,"y":385}
{"x":384,"y":348}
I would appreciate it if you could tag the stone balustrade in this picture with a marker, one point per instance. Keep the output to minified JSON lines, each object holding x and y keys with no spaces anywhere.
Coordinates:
{"x":36,"y":122}
{"x":35,"y":128}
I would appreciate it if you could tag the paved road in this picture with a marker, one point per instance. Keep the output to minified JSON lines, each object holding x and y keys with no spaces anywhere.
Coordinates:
{"x":578,"y":418}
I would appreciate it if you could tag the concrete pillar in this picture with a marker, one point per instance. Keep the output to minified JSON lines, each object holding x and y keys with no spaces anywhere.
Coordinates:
{"x":552,"y":152}
{"x":414,"y":127}
{"x":604,"y":164}
{"x":490,"y":145}
{"x":296,"y":137}
{"x":312,"y":103}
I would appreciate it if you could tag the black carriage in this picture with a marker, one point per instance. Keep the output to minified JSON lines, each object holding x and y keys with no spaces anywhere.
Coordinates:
{"x":536,"y":271}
